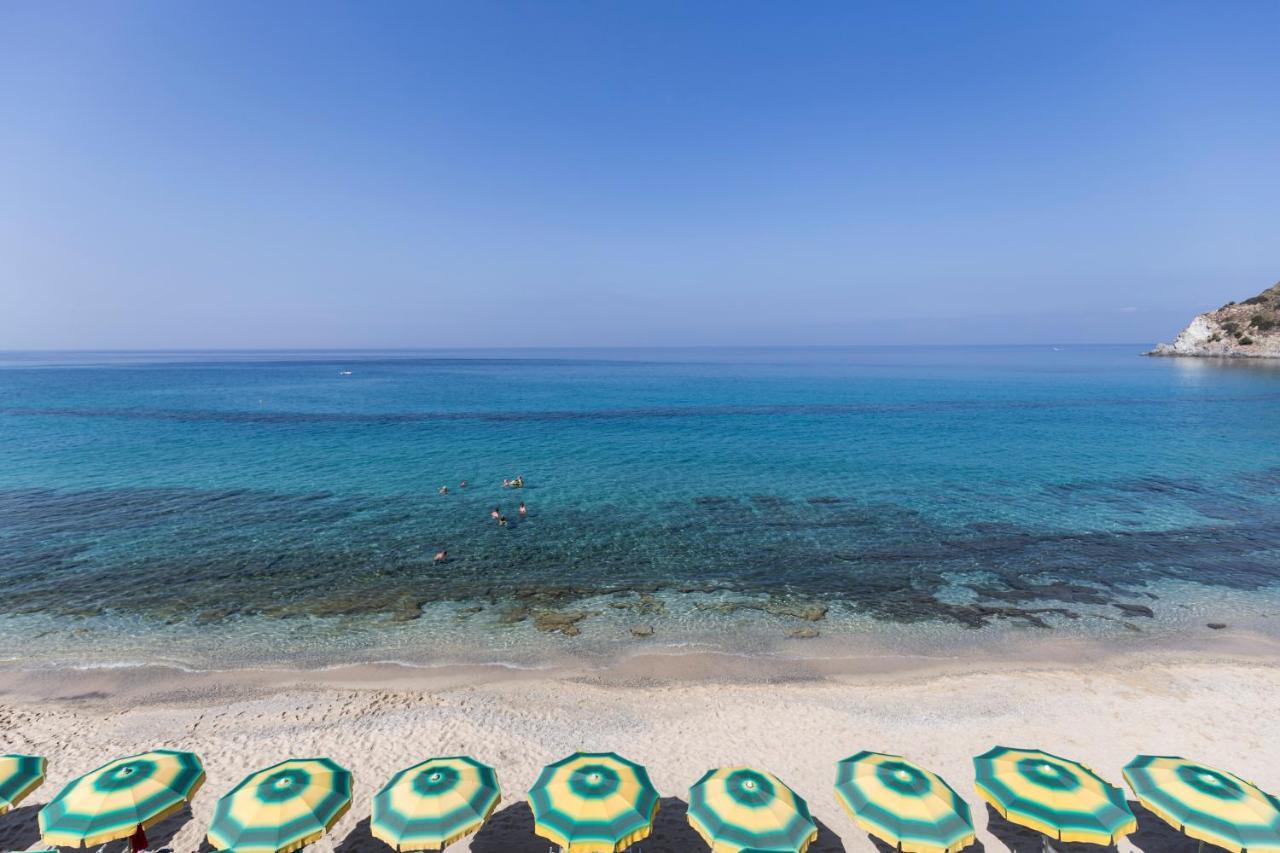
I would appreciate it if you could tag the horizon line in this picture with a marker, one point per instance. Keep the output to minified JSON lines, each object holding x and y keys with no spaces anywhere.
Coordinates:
{"x":575,"y":347}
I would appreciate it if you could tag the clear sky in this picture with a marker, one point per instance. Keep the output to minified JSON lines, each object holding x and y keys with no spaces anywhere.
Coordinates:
{"x":226,"y":174}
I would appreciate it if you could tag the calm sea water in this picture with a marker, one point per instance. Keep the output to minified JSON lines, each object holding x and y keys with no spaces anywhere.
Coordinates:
{"x":210,"y":508}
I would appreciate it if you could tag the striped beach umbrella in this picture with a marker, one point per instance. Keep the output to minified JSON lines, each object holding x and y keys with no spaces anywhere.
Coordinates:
{"x":283,"y":807}
{"x":1207,"y":804}
{"x":1060,"y":798}
{"x":903,"y":804}
{"x":431,"y":805}
{"x":593,"y":802}
{"x":19,"y":776}
{"x":736,"y":809}
{"x":121,"y":799}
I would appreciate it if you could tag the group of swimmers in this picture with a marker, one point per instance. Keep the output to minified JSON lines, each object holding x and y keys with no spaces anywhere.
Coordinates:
{"x":497,"y":515}
{"x":518,"y":483}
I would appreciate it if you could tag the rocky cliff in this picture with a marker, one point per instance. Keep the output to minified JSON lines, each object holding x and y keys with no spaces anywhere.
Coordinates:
{"x":1248,"y":329}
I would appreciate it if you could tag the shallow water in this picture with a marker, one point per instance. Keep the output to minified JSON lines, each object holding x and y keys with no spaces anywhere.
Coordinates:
{"x":261,"y":506}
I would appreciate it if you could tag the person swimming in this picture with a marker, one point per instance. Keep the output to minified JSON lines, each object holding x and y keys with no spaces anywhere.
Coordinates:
{"x":444,"y":490}
{"x":523,"y":510}
{"x":441,"y":556}
{"x":502,"y":521}
{"x":462,"y":485}
{"x":496,"y":514}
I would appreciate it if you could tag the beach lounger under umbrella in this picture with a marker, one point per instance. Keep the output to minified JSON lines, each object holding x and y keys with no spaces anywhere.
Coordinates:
{"x":1206,"y":804}
{"x":736,"y":809}
{"x":283,"y":807}
{"x":431,"y":805}
{"x":1055,"y":796}
{"x":121,"y":799}
{"x":593,"y":802}
{"x":903,"y":804}
{"x":19,"y":776}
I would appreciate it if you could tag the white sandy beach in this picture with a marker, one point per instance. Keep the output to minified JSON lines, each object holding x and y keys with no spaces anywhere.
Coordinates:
{"x":678,"y":716}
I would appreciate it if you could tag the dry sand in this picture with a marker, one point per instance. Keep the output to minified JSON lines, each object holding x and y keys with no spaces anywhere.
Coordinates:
{"x":677,"y":715}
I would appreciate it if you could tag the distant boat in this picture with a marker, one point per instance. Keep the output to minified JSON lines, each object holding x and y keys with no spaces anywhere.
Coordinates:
{"x":344,"y":372}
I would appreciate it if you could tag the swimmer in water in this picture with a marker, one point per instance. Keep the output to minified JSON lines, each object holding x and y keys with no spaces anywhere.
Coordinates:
{"x":441,"y":556}
{"x":444,"y":490}
{"x":496,"y":514}
{"x":523,"y":510}
{"x":506,"y":484}
{"x":462,"y":485}
{"x":502,"y":521}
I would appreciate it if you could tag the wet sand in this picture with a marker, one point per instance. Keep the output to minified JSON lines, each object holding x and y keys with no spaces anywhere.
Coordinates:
{"x":678,"y":715}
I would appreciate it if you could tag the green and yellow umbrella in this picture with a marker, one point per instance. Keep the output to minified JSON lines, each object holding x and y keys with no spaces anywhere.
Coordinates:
{"x":593,"y":802}
{"x":431,"y":805}
{"x":1061,"y":798}
{"x":1207,"y":804}
{"x":903,"y":804}
{"x":120,"y":798}
{"x":736,"y":809}
{"x":282,"y":808}
{"x":19,"y":776}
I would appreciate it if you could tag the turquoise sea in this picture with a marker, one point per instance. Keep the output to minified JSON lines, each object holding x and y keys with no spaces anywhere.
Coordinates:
{"x":212,"y":509}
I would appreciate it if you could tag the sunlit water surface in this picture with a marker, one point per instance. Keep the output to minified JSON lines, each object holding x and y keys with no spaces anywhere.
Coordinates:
{"x":221,"y":509}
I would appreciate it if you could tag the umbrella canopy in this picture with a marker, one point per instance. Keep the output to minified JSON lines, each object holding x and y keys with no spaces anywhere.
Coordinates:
{"x":736,"y":809}
{"x":433,"y":804}
{"x":1058,"y":797}
{"x":1207,"y":804}
{"x":283,"y":807}
{"x":903,"y":804}
{"x":593,"y":802}
{"x":19,"y":776}
{"x":120,"y":797}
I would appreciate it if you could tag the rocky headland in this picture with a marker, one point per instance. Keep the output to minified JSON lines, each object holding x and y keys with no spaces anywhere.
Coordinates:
{"x":1248,"y":329}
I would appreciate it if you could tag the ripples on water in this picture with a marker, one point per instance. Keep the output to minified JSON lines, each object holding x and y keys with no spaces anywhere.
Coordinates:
{"x":964,"y":487}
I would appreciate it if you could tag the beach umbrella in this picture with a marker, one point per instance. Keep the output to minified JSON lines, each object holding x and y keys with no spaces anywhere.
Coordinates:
{"x":1206,"y":804}
{"x":903,"y":804}
{"x":19,"y":776}
{"x":736,"y":809}
{"x":431,"y":805}
{"x":121,"y":799}
{"x":1060,"y":798}
{"x":593,"y":802}
{"x":282,"y":808}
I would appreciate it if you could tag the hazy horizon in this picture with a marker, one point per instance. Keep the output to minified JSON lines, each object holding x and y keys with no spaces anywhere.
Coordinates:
{"x":489,"y":175}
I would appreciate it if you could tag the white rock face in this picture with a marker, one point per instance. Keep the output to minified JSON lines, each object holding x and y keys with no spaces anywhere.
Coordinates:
{"x":1249,"y":329}
{"x":1194,"y":339}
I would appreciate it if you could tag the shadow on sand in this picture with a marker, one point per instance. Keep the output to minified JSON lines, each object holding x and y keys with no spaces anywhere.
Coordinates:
{"x":1156,"y":836}
{"x":1019,"y":839}
{"x":881,"y":847}
{"x":19,"y":829}
{"x":361,"y":840}
{"x":161,"y":835}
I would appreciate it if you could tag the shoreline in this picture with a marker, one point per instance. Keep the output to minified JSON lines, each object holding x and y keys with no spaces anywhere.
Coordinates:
{"x":676,"y":715}
{"x":821,"y":662}
{"x":605,"y":632}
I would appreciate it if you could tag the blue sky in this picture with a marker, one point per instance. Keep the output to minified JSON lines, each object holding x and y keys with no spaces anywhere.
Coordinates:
{"x":631,"y":173}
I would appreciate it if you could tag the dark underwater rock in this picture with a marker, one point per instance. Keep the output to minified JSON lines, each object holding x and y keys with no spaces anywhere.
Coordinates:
{"x":552,"y":621}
